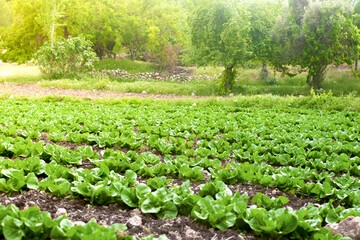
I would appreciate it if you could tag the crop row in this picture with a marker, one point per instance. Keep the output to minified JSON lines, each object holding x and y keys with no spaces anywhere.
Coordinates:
{"x":283,"y":127}
{"x":215,"y":204}
{"x":298,"y":151}
{"x":344,"y":189}
{"x":282,"y":155}
{"x":35,"y":224}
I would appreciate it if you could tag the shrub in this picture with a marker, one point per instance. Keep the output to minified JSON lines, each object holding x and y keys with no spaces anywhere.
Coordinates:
{"x":66,"y":57}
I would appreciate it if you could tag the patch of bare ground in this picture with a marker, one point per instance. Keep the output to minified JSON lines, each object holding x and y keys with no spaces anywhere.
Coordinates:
{"x":139,"y":225}
{"x":33,"y":89}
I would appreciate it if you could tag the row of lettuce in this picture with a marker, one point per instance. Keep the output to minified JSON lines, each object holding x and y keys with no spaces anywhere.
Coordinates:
{"x":301,"y":138}
{"x":345,"y":189}
{"x":32,"y":223}
{"x":297,"y":151}
{"x":215,"y":205}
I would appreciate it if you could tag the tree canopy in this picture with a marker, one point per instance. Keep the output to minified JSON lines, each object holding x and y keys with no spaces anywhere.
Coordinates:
{"x":314,"y":35}
{"x":219,"y":32}
{"x":306,"y":34}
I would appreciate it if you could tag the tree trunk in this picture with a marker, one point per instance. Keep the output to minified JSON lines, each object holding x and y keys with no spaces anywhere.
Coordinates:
{"x":317,"y":81}
{"x":317,"y":78}
{"x":52,"y":34}
{"x":308,"y":80}
{"x":356,"y":65}
{"x":264,"y":70}
{"x":133,"y":56}
{"x":66,"y":32}
{"x":227,"y":79}
{"x":53,"y":26}
{"x":228,"y":76}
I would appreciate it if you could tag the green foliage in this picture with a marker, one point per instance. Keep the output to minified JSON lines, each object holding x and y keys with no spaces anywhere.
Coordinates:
{"x":330,"y":36}
{"x":5,"y":14}
{"x":219,"y":35}
{"x":263,"y":16}
{"x":125,"y":65}
{"x":66,"y":57}
{"x":22,"y":39}
{"x":100,"y":28}
{"x":151,"y":27}
{"x":315,"y":37}
{"x":263,"y":201}
{"x":356,"y":15}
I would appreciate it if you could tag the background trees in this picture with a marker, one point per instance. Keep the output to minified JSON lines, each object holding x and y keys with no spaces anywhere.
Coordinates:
{"x":138,"y":27}
{"x":219,"y":33}
{"x":5,"y":14}
{"x":309,"y":35}
{"x":25,"y":35}
{"x":315,"y":34}
{"x":263,"y":16}
{"x":150,"y":27}
{"x":330,"y":38}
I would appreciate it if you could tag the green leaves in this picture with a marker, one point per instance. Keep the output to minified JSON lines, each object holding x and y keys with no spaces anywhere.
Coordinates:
{"x":129,"y":197}
{"x":194,"y":174}
{"x":263,"y":201}
{"x":272,"y":223}
{"x":159,"y":182}
{"x":216,"y":215}
{"x":32,"y":223}
{"x":66,"y":57}
{"x":214,"y":26}
{"x":158,"y":202}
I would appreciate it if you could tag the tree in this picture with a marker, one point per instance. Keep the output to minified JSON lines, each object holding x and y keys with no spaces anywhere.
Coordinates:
{"x":49,"y":16}
{"x":100,"y":28}
{"x":324,"y":35}
{"x":298,"y":7}
{"x":150,"y":26}
{"x":263,"y":16}
{"x":219,"y":32}
{"x":25,"y":35}
{"x":5,"y":14}
{"x":330,"y":38}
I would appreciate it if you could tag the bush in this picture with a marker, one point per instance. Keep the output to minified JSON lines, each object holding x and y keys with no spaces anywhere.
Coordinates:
{"x":66,"y":57}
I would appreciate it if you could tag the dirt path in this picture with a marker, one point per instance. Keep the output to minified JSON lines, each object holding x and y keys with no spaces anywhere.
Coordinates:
{"x":32,"y":89}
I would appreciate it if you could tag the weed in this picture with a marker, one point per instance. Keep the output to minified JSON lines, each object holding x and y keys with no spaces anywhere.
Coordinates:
{"x":126,"y":65}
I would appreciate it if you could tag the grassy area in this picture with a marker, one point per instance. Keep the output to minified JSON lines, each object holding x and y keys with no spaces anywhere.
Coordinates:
{"x":125,"y":64}
{"x":314,"y":101}
{"x":211,"y":71}
{"x":248,"y":82}
{"x":19,"y":73}
{"x":158,"y":87}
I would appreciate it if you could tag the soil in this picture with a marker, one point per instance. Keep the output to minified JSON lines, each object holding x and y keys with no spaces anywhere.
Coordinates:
{"x":32,"y":89}
{"x":139,"y":225}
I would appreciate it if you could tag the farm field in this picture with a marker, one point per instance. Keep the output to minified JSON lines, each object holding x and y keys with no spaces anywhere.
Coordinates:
{"x":189,"y":172}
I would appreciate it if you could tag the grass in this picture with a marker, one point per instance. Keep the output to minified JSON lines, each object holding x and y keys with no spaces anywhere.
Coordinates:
{"x":339,"y":82}
{"x":126,"y":65}
{"x":152,"y":87}
{"x":210,"y":71}
{"x":321,"y":102}
{"x":19,"y":73}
